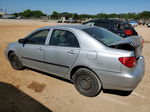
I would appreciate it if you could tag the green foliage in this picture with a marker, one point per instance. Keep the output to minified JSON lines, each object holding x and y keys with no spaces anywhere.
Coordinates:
{"x":75,"y":16}
{"x":37,"y":14}
{"x":144,"y":15}
{"x":56,"y":15}
{"x":29,"y":13}
{"x":84,"y":16}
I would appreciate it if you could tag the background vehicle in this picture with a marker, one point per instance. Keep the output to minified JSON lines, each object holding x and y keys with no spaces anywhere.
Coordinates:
{"x":70,"y":20}
{"x":133,"y":23}
{"x":82,"y":54}
{"x":118,"y":27}
{"x":141,"y":22}
{"x":61,"y":20}
{"x":148,"y":24}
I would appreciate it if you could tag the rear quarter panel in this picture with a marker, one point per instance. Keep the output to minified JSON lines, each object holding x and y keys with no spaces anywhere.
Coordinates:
{"x":105,"y":59}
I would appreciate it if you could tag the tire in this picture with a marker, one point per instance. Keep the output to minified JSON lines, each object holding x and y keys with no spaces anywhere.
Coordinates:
{"x":86,"y":82}
{"x":15,"y":61}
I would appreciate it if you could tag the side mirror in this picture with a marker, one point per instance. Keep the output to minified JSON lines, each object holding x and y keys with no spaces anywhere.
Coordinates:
{"x":22,"y":41}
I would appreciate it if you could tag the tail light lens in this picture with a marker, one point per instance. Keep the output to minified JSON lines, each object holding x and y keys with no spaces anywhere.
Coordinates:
{"x":128,"y":61}
{"x":128,"y":32}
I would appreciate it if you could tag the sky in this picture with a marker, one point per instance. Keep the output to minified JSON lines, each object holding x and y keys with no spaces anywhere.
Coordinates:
{"x":76,"y":6}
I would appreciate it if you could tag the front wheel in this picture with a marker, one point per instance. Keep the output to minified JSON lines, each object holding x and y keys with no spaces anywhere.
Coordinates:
{"x":86,"y":82}
{"x":15,"y":61}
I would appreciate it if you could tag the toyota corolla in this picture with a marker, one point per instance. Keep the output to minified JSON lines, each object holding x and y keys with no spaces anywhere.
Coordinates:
{"x":91,"y":57}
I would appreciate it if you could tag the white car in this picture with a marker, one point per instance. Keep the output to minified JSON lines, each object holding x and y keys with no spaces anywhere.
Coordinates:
{"x":148,"y":24}
{"x":133,"y":23}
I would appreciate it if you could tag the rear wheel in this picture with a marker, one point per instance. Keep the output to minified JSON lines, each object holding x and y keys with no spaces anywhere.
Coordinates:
{"x":15,"y":61}
{"x":86,"y":82}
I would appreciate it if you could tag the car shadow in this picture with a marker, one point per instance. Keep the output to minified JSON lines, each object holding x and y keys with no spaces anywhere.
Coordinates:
{"x":14,"y":100}
{"x":117,"y":92}
{"x":51,"y":75}
{"x":107,"y":91}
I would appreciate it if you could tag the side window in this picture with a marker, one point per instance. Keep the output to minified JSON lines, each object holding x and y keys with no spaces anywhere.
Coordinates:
{"x":38,"y":37}
{"x":118,"y":26}
{"x":63,"y":38}
{"x":104,"y":24}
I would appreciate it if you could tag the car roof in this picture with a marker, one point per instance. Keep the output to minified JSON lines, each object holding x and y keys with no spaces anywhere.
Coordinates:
{"x":105,"y":20}
{"x":68,"y":26}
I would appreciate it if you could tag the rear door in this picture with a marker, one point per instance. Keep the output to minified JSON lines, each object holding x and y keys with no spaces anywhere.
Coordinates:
{"x":32,"y":51}
{"x":62,"y":51}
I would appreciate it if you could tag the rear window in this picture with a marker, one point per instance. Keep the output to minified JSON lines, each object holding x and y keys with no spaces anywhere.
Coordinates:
{"x":104,"y":24}
{"x":104,"y":36}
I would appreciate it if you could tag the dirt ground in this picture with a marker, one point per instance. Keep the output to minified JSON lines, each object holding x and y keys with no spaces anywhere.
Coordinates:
{"x":59,"y":95}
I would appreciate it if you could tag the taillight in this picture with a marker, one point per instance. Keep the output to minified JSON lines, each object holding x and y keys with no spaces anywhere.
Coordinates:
{"x":128,"y":32}
{"x":128,"y":61}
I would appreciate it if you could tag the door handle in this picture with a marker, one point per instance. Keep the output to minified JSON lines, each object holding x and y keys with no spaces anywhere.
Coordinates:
{"x":39,"y":49}
{"x":71,"y":52}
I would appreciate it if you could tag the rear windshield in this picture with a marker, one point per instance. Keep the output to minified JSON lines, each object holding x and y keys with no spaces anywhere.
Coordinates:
{"x":104,"y":36}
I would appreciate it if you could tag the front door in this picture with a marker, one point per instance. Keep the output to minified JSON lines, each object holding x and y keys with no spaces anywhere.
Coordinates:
{"x":32,"y":52}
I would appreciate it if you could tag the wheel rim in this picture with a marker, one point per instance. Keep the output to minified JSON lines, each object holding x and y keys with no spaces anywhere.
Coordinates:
{"x":14,"y":61}
{"x":85,"y":82}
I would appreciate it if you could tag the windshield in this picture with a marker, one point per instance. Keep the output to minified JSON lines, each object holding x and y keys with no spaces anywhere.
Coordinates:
{"x":106,"y":37}
{"x":133,"y":22}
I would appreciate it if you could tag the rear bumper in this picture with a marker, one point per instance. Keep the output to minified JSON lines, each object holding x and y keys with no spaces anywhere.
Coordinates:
{"x":123,"y":81}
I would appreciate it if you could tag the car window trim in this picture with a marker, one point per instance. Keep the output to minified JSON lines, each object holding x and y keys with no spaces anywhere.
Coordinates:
{"x":30,"y":35}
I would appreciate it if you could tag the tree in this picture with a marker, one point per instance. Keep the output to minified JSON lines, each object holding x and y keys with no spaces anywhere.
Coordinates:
{"x":102,"y":15}
{"x":84,"y":16}
{"x":29,"y":13}
{"x":37,"y":13}
{"x":55,"y":15}
{"x":15,"y":14}
{"x":75,"y":16}
{"x":144,"y":15}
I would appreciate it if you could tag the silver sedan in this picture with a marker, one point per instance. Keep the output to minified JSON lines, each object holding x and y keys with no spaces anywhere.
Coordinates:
{"x":92,"y":57}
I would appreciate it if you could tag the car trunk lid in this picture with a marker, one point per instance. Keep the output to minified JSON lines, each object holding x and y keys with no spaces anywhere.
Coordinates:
{"x":134,"y":43}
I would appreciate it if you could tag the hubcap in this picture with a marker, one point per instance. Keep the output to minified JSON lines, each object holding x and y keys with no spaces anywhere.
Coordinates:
{"x":85,"y":82}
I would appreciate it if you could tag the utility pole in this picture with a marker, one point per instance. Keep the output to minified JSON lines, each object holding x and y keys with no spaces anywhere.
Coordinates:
{"x":5,"y":11}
